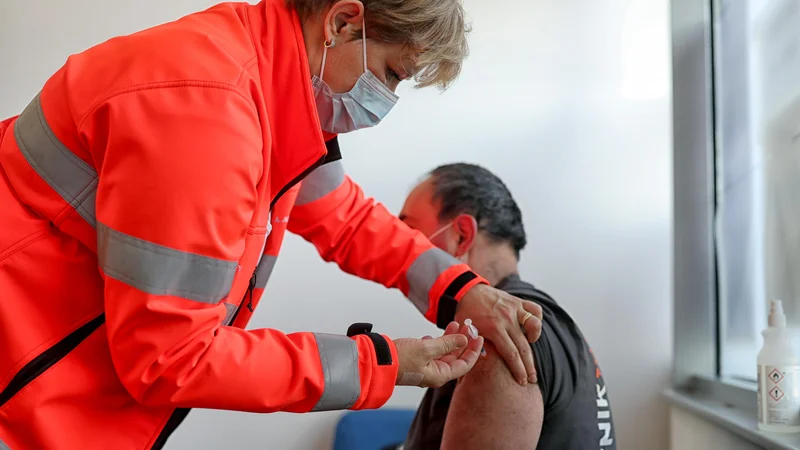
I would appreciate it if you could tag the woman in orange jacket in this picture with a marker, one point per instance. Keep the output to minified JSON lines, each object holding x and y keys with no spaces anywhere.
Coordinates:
{"x":145,"y":193}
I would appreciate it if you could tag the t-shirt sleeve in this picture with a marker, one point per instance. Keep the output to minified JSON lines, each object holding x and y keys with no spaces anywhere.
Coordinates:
{"x":556,"y":364}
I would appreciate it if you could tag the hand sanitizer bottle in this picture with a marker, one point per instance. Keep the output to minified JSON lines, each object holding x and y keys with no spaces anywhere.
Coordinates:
{"x":778,"y":377}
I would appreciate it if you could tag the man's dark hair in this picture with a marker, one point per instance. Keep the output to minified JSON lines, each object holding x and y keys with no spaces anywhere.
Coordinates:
{"x":463,"y":188}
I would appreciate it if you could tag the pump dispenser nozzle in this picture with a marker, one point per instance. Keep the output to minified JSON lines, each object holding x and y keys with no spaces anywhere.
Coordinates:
{"x":776,"y":317}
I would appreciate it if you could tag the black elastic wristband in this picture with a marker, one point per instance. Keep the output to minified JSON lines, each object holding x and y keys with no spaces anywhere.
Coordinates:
{"x":459,"y":284}
{"x":446,"y":312}
{"x":334,"y":152}
{"x":359,"y":328}
{"x":382,"y":350}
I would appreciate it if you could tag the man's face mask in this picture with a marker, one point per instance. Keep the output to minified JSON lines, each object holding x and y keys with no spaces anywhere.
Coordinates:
{"x":365,"y":105}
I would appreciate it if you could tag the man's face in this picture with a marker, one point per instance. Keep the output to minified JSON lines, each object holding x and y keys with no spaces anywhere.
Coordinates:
{"x":421,"y":212}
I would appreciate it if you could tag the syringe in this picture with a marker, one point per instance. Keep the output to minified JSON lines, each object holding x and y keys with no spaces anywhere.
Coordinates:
{"x":473,"y":333}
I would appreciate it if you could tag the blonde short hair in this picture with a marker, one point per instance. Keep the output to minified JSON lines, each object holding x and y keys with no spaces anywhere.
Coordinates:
{"x":436,"y":29}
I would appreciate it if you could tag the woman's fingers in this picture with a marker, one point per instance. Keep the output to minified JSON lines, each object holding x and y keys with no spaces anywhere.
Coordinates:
{"x":533,"y":325}
{"x":454,"y":328}
{"x":511,"y":351}
{"x":451,"y":328}
{"x":457,"y":368}
{"x":432,"y":362}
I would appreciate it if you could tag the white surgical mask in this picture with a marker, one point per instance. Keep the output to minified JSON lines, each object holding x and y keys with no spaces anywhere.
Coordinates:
{"x":365,"y":105}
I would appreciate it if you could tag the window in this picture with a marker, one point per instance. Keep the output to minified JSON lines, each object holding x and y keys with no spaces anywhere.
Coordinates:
{"x":736,"y":165}
{"x":757,"y":172}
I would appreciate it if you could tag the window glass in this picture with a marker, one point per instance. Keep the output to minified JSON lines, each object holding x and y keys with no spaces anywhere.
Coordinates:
{"x":757,"y":149}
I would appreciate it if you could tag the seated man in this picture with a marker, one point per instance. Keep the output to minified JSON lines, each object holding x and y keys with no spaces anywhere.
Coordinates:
{"x":468,"y":212}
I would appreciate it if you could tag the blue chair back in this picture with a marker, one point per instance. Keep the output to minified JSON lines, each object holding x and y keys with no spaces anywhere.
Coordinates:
{"x":372,"y":429}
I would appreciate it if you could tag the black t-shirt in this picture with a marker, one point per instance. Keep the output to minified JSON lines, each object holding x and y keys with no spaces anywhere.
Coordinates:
{"x":576,"y":410}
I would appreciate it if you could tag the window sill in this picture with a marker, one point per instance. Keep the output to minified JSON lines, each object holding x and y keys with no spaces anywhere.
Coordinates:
{"x":732,"y":406}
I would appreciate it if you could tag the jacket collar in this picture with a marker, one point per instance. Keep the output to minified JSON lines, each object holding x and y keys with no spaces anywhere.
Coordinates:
{"x":294,"y":133}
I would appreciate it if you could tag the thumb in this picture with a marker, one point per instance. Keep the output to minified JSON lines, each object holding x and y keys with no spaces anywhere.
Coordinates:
{"x":445,"y":345}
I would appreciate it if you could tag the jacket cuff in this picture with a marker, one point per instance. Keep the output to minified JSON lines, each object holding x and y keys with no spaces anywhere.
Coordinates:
{"x":378,"y":366}
{"x":451,"y":293}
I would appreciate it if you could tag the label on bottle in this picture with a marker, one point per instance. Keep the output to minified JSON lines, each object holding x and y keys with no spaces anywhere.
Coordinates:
{"x":779,"y":395}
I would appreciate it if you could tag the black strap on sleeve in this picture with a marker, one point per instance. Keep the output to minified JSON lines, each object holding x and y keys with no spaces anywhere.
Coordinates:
{"x":459,"y":283}
{"x":334,"y":152}
{"x":383,"y":351}
{"x":446,"y":312}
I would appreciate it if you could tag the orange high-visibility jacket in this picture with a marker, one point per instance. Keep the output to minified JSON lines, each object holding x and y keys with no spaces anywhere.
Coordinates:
{"x":144,"y":195}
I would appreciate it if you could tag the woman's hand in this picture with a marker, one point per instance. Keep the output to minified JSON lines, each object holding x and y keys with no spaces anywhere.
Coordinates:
{"x":508,"y":322}
{"x":432,"y":362}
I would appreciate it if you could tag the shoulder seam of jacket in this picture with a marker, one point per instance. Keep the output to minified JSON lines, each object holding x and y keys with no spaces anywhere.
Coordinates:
{"x":252,"y":62}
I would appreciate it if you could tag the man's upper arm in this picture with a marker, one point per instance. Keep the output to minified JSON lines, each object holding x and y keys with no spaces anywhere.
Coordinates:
{"x":491,"y":410}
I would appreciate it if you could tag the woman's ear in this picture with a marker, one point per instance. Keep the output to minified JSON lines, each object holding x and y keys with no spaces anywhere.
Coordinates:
{"x":467,"y":229}
{"x":342,"y":20}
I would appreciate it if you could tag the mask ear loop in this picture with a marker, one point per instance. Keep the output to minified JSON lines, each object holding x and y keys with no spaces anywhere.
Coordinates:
{"x":327,"y":45}
{"x":440,"y":231}
{"x":364,"y":41}
{"x":330,"y":44}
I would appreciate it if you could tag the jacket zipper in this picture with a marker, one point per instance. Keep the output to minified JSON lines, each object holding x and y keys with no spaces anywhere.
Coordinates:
{"x":180,"y":414}
{"x":296,"y":180}
{"x":48,"y":358}
{"x":247,"y":295}
{"x":250,"y":288}
{"x":252,"y":285}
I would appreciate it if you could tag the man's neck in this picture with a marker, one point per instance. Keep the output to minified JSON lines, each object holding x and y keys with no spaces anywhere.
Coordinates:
{"x":499,"y":264}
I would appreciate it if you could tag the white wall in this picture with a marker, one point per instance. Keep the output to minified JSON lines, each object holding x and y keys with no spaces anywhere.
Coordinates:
{"x":689,"y":432}
{"x":566,"y":100}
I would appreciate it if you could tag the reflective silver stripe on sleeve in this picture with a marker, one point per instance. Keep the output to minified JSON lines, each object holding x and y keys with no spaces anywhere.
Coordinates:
{"x":424,"y":271}
{"x":339,"y":358}
{"x":3,"y":446}
{"x":231,"y":310}
{"x":73,"y":179}
{"x":264,"y":270}
{"x":160,"y":270}
{"x":321,"y":182}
